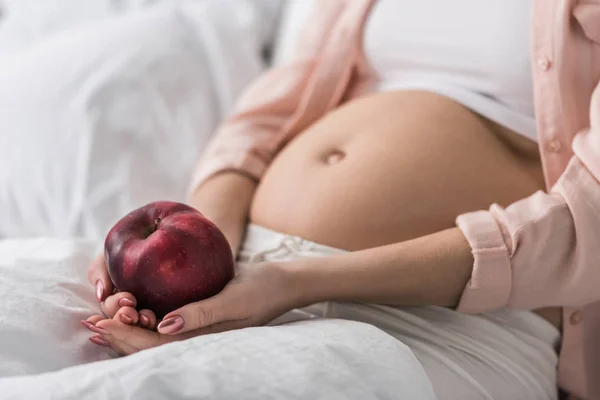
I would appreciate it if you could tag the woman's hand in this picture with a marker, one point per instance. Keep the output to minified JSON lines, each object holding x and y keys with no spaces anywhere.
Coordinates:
{"x":258,"y":294}
{"x":98,"y":277}
{"x":224,"y":199}
{"x":119,"y":306}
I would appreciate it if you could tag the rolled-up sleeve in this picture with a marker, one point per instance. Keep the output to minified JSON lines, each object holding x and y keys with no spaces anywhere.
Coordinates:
{"x":270,"y":108}
{"x":543,"y":250}
{"x":247,"y":141}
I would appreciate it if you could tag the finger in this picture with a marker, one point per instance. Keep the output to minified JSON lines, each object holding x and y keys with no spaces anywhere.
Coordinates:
{"x":98,"y":277}
{"x":121,"y":348}
{"x":147,"y":319}
{"x":133,"y":336}
{"x":95,"y":318}
{"x":90,"y":324}
{"x":124,"y":349}
{"x":215,"y":328}
{"x":194,"y":316}
{"x":113,"y":303}
{"x":225,"y":326}
{"x":97,"y":340}
{"x":105,"y":338}
{"x":127,"y":315}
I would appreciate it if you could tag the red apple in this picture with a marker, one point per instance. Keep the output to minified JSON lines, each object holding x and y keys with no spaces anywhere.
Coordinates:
{"x":168,"y":255}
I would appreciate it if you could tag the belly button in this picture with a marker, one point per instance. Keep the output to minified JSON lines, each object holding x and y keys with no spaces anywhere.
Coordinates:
{"x":335,"y":157}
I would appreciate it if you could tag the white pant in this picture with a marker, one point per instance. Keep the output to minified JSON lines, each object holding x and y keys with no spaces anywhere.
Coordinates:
{"x":506,"y":354}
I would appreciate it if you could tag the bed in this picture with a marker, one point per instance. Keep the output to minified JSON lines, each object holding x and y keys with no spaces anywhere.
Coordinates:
{"x":103,"y":108}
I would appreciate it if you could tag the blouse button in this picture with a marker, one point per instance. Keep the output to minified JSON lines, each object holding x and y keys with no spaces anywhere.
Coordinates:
{"x":575,"y":318}
{"x":544,"y":64}
{"x":554,"y":145}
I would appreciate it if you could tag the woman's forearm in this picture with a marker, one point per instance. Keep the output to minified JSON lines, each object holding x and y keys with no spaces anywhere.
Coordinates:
{"x":430,"y":270}
{"x":225,"y":199}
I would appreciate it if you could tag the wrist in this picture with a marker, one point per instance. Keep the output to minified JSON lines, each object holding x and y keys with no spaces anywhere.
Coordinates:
{"x":305,"y":282}
{"x":225,"y":199}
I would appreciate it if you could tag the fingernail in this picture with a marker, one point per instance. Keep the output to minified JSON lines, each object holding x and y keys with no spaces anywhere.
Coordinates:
{"x":94,"y":328}
{"x":99,"y":290}
{"x":125,"y":319}
{"x":86,"y":324}
{"x":126,"y":303}
{"x":99,"y":341}
{"x":171,"y":325}
{"x":144,"y":321}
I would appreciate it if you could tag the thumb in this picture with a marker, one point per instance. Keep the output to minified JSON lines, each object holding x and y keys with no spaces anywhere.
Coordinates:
{"x":192,"y":316}
{"x":98,"y":276}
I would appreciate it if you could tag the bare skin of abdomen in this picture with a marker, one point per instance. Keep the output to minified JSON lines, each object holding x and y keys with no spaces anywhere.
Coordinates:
{"x":394,"y":166}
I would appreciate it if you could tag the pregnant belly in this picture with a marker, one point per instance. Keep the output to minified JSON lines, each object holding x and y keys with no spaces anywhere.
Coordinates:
{"x":391,"y":167}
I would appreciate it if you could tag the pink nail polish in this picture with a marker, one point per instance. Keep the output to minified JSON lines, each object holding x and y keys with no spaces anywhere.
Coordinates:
{"x":99,"y":290}
{"x":144,"y":321}
{"x":86,"y":324}
{"x":125,"y":319}
{"x":99,"y":341}
{"x":126,"y":303}
{"x":171,"y":325}
{"x":94,"y":328}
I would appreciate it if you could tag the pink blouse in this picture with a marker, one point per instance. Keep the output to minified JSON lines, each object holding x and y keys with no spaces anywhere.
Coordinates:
{"x":541,"y":251}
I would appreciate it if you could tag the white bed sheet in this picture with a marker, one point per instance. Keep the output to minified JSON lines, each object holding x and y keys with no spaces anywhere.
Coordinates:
{"x":44,"y":352}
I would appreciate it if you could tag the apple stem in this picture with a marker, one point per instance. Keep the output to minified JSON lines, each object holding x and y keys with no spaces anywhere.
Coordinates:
{"x":156,"y":222}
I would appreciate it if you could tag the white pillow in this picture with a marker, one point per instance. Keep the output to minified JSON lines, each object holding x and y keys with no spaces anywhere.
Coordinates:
{"x":295,"y":16}
{"x":44,"y":294}
{"x":98,"y":120}
{"x":24,"y":22}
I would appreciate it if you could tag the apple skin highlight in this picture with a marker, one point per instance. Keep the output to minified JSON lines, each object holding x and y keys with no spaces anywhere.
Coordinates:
{"x":167,"y":255}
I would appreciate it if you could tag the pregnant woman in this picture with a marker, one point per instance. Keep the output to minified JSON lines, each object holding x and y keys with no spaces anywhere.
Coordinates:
{"x":428,"y":167}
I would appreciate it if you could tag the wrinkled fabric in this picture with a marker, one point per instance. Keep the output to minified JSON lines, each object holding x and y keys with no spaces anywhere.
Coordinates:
{"x":45,"y":352}
{"x":101,"y":118}
{"x":499,"y":355}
